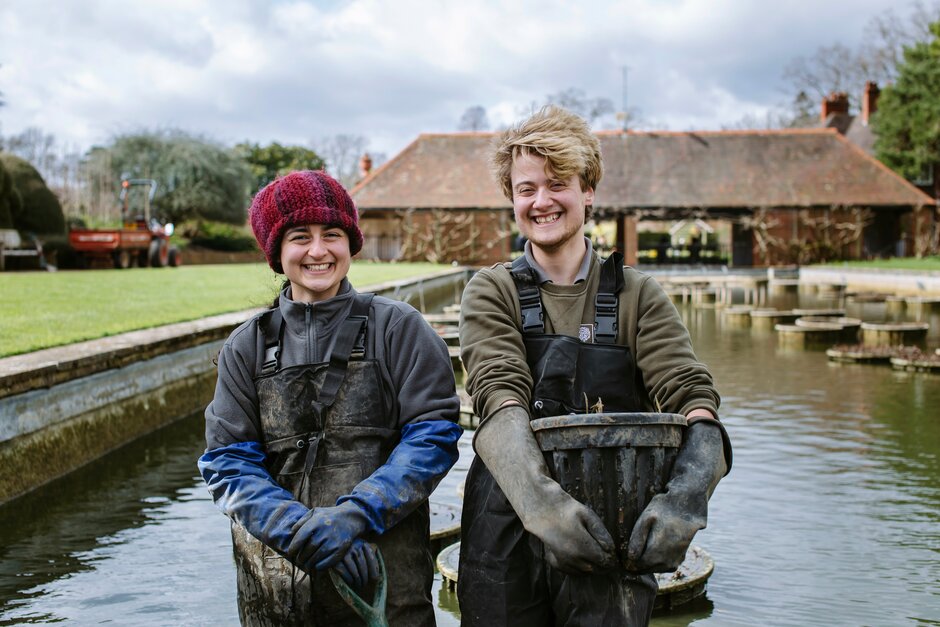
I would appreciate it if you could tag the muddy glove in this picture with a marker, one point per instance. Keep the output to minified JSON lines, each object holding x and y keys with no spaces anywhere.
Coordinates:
{"x":422,"y":457}
{"x":242,"y":487}
{"x":575,"y":538}
{"x":665,"y":529}
{"x":360,"y":565}
{"x":323,"y":537}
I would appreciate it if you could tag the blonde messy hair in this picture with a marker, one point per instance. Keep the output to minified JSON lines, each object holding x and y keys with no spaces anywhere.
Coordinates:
{"x":563,"y":138}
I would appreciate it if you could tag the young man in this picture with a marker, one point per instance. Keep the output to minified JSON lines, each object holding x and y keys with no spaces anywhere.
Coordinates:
{"x":537,"y":336}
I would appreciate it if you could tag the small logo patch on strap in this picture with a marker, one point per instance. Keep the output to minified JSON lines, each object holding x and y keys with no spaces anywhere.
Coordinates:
{"x":586,"y":333}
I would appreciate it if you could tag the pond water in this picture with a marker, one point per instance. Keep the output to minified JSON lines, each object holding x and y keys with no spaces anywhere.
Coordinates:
{"x":831,"y":515}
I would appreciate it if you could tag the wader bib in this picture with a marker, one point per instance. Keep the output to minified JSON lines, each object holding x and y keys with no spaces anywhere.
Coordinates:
{"x":325,"y":428}
{"x":503,"y":578}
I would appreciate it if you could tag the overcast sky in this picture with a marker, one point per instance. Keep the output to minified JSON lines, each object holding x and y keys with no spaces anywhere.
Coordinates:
{"x":293,"y":71}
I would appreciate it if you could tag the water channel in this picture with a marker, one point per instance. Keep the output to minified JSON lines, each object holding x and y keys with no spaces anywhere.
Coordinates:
{"x":831,"y":515}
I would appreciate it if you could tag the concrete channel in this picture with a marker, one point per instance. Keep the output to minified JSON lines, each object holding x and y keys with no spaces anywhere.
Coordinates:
{"x":63,"y":407}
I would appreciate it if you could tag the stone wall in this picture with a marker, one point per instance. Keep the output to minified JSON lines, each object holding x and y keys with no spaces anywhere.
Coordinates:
{"x":63,"y":407}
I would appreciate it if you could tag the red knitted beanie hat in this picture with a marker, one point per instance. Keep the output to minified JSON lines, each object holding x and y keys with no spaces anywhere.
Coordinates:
{"x":299,"y":198}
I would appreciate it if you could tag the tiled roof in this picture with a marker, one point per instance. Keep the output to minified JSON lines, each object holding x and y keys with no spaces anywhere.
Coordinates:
{"x":861,"y":135}
{"x":435,"y":171}
{"x":676,"y":170}
{"x":854,"y":128}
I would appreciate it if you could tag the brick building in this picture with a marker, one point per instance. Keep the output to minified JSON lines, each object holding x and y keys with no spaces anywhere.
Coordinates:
{"x":790,"y":196}
{"x":435,"y":200}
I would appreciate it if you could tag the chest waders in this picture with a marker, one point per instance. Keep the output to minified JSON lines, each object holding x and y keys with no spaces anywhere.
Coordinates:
{"x":325,"y":427}
{"x":503,"y":578}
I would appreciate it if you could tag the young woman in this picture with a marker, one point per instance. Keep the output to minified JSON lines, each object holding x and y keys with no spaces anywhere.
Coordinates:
{"x":334,"y":418}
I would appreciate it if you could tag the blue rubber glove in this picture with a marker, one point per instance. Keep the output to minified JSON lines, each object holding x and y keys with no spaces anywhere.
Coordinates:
{"x":426,"y":452}
{"x":244,"y":490}
{"x":324,"y":536}
{"x":360,"y":565}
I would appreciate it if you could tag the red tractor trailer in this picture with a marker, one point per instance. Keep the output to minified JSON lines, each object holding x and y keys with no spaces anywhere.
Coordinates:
{"x":141,"y":241}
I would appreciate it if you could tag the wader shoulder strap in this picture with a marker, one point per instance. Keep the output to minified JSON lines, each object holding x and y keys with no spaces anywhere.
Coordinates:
{"x":271,"y":324}
{"x":349,"y":331}
{"x":605,"y":303}
{"x":530,"y":303}
{"x":347,"y":340}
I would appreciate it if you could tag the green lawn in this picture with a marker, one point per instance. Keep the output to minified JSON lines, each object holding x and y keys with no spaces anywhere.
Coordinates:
{"x":44,"y":309}
{"x":926,"y":264}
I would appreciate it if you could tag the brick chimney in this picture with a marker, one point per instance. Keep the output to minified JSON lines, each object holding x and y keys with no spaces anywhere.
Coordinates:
{"x":365,"y":166}
{"x":835,"y":102}
{"x":869,"y":100}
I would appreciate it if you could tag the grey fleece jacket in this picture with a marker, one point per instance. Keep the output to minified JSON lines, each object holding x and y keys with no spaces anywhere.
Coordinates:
{"x":417,"y":378}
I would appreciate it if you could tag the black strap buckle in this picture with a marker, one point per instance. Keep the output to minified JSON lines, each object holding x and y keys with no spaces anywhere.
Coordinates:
{"x":359,"y":346}
{"x":271,"y":325}
{"x":271,"y":357}
{"x":605,"y":318}
{"x":530,"y":305}
{"x":530,"y":301}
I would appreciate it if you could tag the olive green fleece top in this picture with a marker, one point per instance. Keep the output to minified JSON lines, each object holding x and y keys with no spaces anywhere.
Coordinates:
{"x":669,"y":378}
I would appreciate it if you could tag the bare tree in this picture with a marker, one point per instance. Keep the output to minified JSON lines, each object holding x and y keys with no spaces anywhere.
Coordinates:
{"x":830,"y":68}
{"x":762,"y":224}
{"x":58,"y":165}
{"x":98,"y":202}
{"x":802,"y":113}
{"x":35,"y":146}
{"x":926,"y":234}
{"x":442,"y":236}
{"x":474,"y":119}
{"x":341,"y":153}
{"x":837,"y":68}
{"x":835,"y":229}
{"x":886,"y":35}
{"x":577,"y":101}
{"x":771,"y":119}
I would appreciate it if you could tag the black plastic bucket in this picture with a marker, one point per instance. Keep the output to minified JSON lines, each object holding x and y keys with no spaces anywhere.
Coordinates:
{"x":613,"y":463}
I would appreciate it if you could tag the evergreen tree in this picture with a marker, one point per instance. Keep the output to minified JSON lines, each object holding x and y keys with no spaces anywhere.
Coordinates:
{"x":907,"y":123}
{"x":196,"y":179}
{"x":268,"y":162}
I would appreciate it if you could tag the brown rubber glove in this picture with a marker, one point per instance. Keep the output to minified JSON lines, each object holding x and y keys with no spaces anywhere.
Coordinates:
{"x":664,"y":530}
{"x":575,"y":538}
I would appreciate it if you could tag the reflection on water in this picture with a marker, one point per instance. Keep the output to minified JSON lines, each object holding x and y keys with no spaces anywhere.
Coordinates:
{"x":830,"y":515}
{"x":132,"y":535}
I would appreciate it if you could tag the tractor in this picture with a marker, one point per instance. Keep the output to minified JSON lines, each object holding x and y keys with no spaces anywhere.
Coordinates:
{"x":141,"y":241}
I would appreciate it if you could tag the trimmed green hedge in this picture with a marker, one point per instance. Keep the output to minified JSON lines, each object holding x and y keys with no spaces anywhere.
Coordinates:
{"x":10,"y":201}
{"x":40,"y":211}
{"x":224,"y":237}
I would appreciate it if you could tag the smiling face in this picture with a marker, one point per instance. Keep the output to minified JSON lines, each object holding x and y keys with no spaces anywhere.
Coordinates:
{"x":549,"y":211}
{"x":315,"y":259}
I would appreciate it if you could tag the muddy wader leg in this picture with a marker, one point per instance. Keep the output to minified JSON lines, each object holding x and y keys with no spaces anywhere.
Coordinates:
{"x":664,"y":530}
{"x":575,"y":538}
{"x":502,"y":570}
{"x":613,"y":599}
